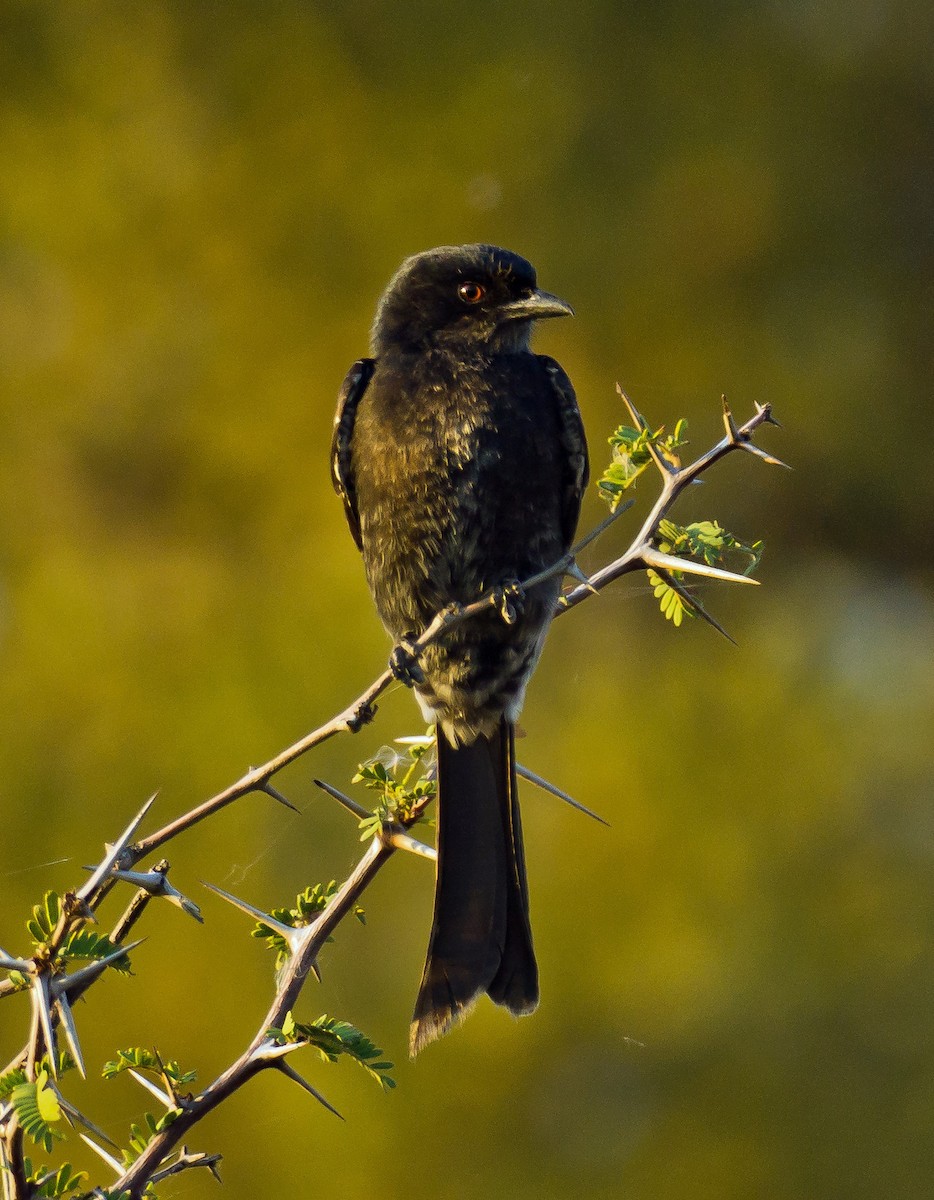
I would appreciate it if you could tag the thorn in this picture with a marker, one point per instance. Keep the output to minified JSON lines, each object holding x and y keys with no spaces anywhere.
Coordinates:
{"x":293,"y":936}
{"x":765,"y":412}
{"x":694,"y":604}
{"x":115,"y":852}
{"x":576,"y":573}
{"x":556,"y":791}
{"x":751,"y":448}
{"x":604,"y":524}
{"x":73,"y":1115}
{"x":653,"y":557}
{"x":289,"y":1071}
{"x":633,"y":411}
{"x":68,"y":983}
{"x":42,"y":1007}
{"x":277,"y":795}
{"x":250,"y":909}
{"x":108,"y":1158}
{"x":351,"y":805}
{"x":67,"y":1021}
{"x":402,"y":841}
{"x":728,"y":423}
{"x":154,"y":1089}
{"x":156,"y":884}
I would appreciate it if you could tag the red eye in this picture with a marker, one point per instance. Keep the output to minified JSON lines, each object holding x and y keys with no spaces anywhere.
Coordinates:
{"x":471,"y":293}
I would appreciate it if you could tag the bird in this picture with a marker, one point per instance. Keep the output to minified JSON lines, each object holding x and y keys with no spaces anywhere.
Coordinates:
{"x":461,"y":460}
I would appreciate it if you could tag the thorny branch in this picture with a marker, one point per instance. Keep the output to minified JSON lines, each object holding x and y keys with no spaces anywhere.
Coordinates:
{"x":53,"y":992}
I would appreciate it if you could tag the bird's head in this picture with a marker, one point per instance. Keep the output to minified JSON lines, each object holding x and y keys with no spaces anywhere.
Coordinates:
{"x":463,"y":297}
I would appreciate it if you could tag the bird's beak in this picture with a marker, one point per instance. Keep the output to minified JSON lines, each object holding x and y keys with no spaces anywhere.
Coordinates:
{"x":535,"y":307}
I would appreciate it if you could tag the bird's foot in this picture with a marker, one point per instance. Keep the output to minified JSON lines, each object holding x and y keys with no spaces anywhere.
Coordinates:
{"x":509,"y":599}
{"x":403,"y":662}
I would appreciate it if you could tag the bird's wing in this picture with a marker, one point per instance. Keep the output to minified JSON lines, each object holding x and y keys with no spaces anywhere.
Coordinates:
{"x":573,"y":441}
{"x":353,"y":387}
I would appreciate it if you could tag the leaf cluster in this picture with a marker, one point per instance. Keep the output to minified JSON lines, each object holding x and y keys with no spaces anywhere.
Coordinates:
{"x":47,"y":1182}
{"x":143,"y":1131}
{"x":405,"y":780}
{"x":705,"y":541}
{"x":333,"y":1038}
{"x":313,"y":900}
{"x":139,"y":1058}
{"x":37,"y":1109}
{"x":632,"y":453}
{"x":80,"y":944}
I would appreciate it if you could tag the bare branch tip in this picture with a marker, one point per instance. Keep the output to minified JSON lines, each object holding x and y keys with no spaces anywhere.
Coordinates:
{"x":765,"y":412}
{"x":640,"y":421}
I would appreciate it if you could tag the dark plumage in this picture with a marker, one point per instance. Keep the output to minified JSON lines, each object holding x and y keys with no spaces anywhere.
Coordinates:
{"x":461,"y":460}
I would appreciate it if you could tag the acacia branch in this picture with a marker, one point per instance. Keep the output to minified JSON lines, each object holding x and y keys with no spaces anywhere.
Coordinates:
{"x":53,"y":993}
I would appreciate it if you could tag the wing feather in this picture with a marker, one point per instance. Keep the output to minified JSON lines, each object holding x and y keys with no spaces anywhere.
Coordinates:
{"x":352,"y":389}
{"x":574,"y":442}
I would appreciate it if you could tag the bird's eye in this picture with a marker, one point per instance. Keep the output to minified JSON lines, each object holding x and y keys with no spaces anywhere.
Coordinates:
{"x":471,"y":293}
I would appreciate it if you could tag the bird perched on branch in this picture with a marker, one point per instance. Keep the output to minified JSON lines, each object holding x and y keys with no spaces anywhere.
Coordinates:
{"x":461,"y":460}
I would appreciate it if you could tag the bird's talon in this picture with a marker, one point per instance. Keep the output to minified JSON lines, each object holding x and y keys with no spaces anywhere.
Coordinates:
{"x":403,"y":662}
{"x":508,"y":600}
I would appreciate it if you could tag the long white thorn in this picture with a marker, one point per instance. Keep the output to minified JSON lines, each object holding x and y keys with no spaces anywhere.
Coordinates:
{"x":67,"y":983}
{"x":556,"y":791}
{"x":154,"y":1089}
{"x":67,"y":1022}
{"x":294,"y":936}
{"x":42,"y":1005}
{"x":115,"y":852}
{"x":290,"y":1073}
{"x":402,"y":841}
{"x":653,"y":557}
{"x":102,"y":1153}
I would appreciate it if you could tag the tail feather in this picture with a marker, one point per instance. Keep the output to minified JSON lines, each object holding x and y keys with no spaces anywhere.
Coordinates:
{"x":481,"y":940}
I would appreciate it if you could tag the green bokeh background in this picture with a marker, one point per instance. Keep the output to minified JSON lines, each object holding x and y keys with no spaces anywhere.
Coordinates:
{"x":199,"y":204}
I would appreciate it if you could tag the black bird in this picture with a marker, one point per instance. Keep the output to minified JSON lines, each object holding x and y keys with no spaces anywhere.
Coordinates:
{"x":461,"y":459}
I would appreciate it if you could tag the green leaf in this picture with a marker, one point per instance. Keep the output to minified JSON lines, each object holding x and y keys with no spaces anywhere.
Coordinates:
{"x":405,"y":780}
{"x":54,"y":1183}
{"x":333,"y":1038}
{"x":142,"y":1059}
{"x":141,"y":1134}
{"x":706,"y":541}
{"x":44,"y":918}
{"x":673,"y":607}
{"x":313,"y":900}
{"x":87,"y":944}
{"x":632,"y":453}
{"x":10,"y":1080}
{"x":36,"y":1107}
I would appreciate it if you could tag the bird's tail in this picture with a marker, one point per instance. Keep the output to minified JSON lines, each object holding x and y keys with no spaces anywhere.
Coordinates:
{"x":481,"y":940}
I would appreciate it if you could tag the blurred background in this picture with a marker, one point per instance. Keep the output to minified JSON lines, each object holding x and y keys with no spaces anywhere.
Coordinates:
{"x":199,"y":205}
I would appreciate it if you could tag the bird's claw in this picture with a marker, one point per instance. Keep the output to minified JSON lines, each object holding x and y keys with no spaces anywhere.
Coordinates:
{"x":508,"y":600}
{"x":403,"y":662}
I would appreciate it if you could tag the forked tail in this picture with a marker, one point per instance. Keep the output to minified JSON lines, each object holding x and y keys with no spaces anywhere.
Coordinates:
{"x":481,"y":940}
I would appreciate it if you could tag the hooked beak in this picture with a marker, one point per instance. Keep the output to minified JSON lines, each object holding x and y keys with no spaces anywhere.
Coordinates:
{"x":535,"y":307}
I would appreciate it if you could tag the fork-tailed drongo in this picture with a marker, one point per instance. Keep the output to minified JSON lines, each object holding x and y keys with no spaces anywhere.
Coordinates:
{"x":461,"y":459}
